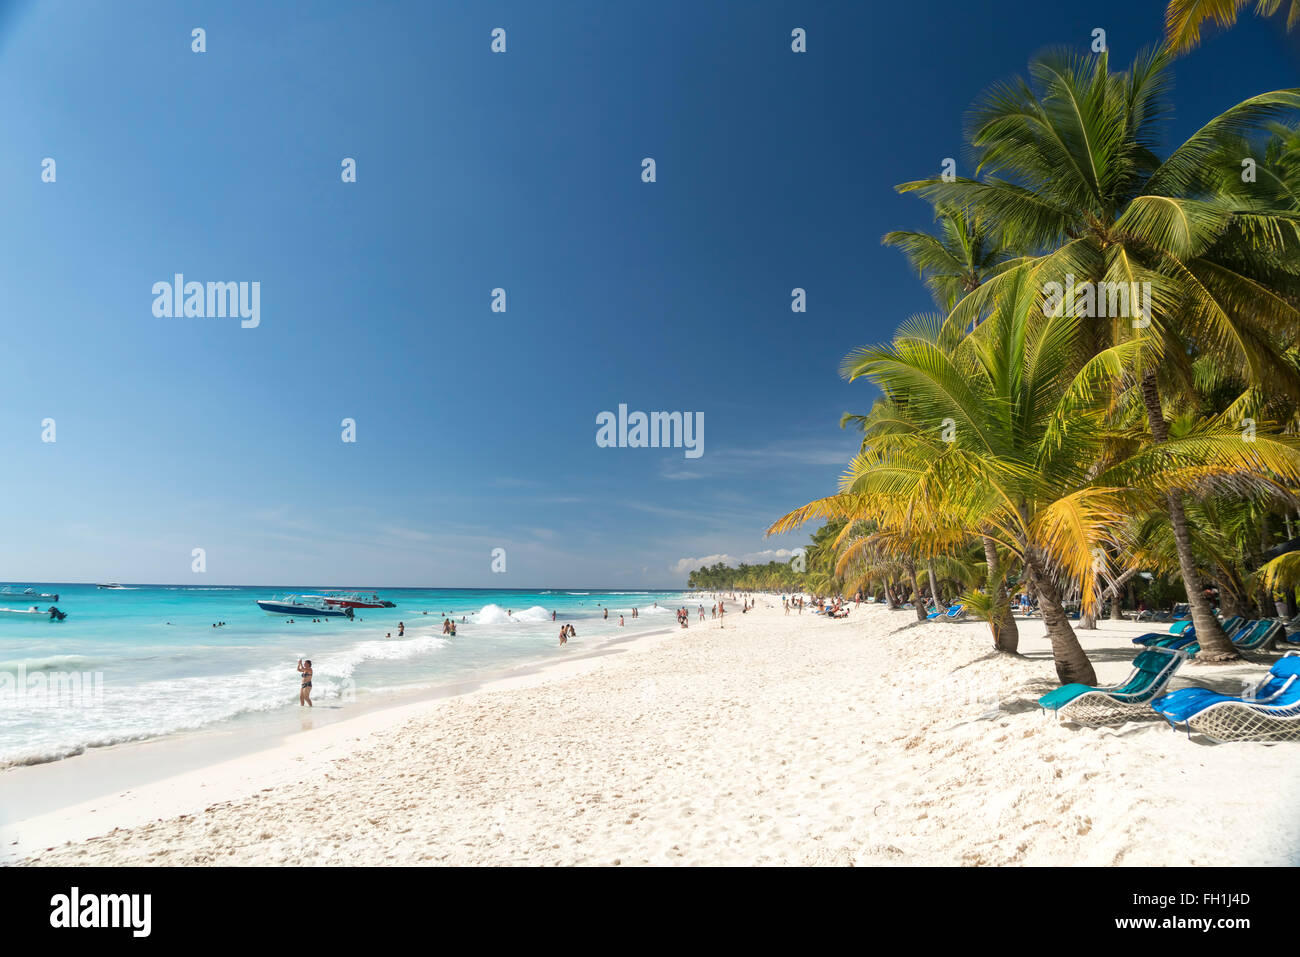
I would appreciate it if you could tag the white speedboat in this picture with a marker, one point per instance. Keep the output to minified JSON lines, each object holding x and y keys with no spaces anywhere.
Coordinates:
{"x":27,"y":594}
{"x":302,"y":606}
{"x":51,"y":613}
{"x":342,"y":599}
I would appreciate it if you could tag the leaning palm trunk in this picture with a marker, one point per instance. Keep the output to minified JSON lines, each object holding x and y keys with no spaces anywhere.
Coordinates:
{"x":1006,"y":634}
{"x":917,"y":603}
{"x":1072,"y":665}
{"x":1215,"y":645}
{"x":934,"y":587}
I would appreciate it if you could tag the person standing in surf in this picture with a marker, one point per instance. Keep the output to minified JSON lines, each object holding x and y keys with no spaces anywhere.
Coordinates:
{"x":304,"y":690}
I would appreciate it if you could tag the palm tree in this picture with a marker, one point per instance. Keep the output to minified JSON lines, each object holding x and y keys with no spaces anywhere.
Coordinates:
{"x":958,"y":260}
{"x":1069,"y":168}
{"x":1184,"y":18}
{"x":1008,"y":432}
{"x":966,"y":252}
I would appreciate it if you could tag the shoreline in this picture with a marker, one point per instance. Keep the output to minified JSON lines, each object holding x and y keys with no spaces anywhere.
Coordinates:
{"x":777,"y":740}
{"x":102,"y":777}
{"x":147,"y":663}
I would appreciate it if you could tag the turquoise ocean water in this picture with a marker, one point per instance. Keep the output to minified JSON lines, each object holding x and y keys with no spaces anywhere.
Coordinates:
{"x":149,"y":662}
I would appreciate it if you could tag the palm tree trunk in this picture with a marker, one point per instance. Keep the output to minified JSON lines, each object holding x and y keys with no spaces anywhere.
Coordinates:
{"x":1072,"y":665}
{"x":917,"y":603}
{"x":1087,"y":620}
{"x":1113,"y":590}
{"x":1215,"y":645}
{"x":1233,"y":603}
{"x":1006,"y":634}
{"x":934,"y":585}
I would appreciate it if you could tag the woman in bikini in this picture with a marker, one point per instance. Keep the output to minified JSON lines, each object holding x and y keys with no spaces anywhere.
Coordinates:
{"x":304,"y":692}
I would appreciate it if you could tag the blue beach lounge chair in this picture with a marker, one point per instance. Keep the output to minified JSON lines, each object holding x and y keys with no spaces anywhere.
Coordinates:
{"x":1258,"y":635}
{"x":1186,"y":643}
{"x":1269,"y":711}
{"x":1150,"y":637}
{"x":1131,"y":698}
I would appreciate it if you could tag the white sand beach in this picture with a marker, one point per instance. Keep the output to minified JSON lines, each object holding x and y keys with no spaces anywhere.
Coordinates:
{"x":777,"y":740}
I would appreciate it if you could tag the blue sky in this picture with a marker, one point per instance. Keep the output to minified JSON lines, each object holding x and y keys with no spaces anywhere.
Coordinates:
{"x":475,"y":170}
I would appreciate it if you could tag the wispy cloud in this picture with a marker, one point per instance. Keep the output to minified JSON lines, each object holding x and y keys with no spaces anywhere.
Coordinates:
{"x":792,"y":454}
{"x":508,"y":481}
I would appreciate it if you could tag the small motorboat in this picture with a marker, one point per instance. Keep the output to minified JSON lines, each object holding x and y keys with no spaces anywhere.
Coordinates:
{"x":27,"y":594}
{"x":52,"y":613}
{"x":110,"y":585}
{"x":355,"y":600}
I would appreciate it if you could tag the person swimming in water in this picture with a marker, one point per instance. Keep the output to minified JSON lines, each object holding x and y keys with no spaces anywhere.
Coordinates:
{"x":304,"y":690}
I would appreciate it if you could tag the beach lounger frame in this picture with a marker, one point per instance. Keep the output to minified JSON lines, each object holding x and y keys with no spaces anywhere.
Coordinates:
{"x":955,"y":612}
{"x":1258,"y":635}
{"x":1110,"y":705}
{"x":1245,"y":720}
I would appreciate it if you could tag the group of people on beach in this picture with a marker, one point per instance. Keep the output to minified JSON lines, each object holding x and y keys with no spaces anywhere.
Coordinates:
{"x":835,"y":608}
{"x":717,"y":610}
{"x":1025,"y":604}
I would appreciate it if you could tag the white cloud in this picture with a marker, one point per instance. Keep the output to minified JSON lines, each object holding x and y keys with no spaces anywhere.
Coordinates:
{"x":685,"y":566}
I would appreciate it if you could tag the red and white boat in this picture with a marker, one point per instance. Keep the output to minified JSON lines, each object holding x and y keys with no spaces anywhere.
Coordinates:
{"x":341,"y":599}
